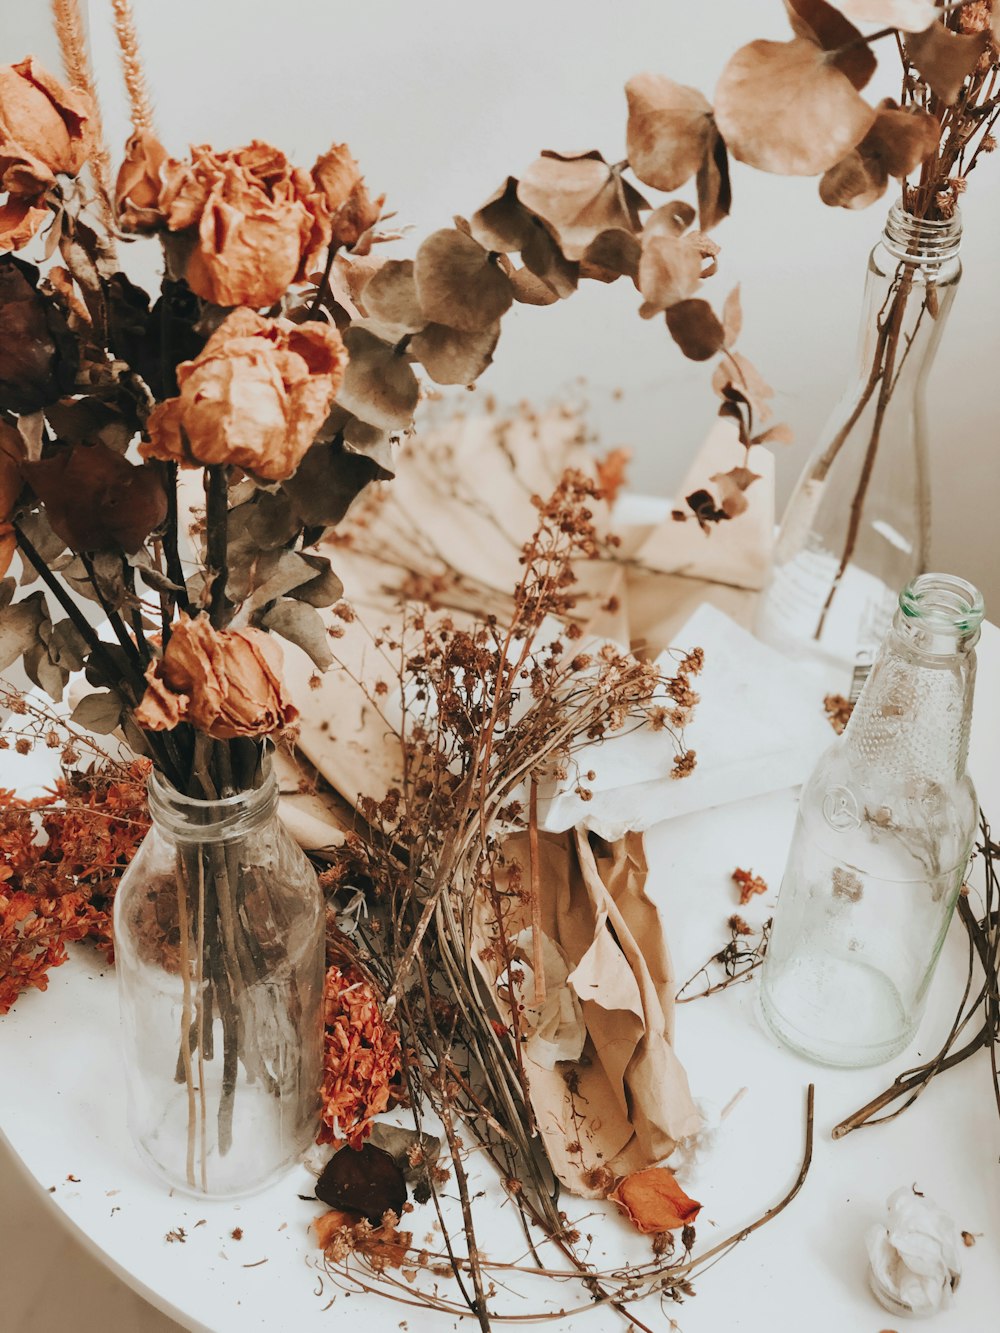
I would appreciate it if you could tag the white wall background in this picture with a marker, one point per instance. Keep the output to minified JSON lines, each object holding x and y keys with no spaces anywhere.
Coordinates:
{"x":440,"y":101}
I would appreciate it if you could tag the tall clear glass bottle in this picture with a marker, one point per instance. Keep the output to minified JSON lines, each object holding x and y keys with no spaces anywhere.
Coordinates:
{"x":884,"y":831}
{"x":857,"y":528}
{"x":220,"y":952}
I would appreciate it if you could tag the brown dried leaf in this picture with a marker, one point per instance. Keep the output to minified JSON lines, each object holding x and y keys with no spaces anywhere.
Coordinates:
{"x":365,"y":1181}
{"x":458,"y":284}
{"x":781,"y":107}
{"x":390,"y":296}
{"x":530,"y":289}
{"x":669,"y":130}
{"x":670,"y":219}
{"x":669,"y":272}
{"x":732,"y":487}
{"x":96,"y":500}
{"x":579,"y":196}
{"x":379,"y":385}
{"x":735,"y":376}
{"x":715,"y":194}
{"x":452,"y":357}
{"x":894,"y":146}
{"x":653,"y":1201}
{"x":503,"y":223}
{"x":543,"y":257}
{"x":945,"y":59}
{"x":778,"y":434}
{"x":695,"y":328}
{"x":611,"y":255}
{"x":732,"y":316}
{"x":821,"y":23}
{"x":907,"y":15}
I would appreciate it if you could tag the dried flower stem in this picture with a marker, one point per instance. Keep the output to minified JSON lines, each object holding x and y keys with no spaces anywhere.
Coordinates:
{"x":72,"y":36}
{"x":135,"y":78}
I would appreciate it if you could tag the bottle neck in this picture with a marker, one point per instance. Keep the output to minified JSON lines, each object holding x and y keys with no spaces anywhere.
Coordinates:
{"x":913,"y":275}
{"x":183,"y":819}
{"x":912,"y":720}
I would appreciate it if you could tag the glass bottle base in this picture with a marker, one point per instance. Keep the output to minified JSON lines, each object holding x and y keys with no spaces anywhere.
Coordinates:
{"x":835,"y":1011}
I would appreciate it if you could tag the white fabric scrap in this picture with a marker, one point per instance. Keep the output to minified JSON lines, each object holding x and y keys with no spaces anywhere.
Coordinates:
{"x":914,"y":1255}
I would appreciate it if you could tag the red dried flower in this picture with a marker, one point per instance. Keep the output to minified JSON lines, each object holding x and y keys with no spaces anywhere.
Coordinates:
{"x":362,"y":1061}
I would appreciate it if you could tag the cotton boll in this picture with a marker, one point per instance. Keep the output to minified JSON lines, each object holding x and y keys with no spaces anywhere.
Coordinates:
{"x":914,"y":1256}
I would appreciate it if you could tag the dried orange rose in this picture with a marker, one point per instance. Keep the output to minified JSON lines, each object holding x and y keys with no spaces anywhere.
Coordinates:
{"x":44,"y":128}
{"x":255,"y":396}
{"x":255,"y":230}
{"x":137,"y":189}
{"x":226,"y":683}
{"x":653,"y":1201}
{"x":44,"y":132}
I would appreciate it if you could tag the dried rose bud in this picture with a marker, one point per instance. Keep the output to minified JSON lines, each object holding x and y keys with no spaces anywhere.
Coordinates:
{"x":255,"y":396}
{"x":38,"y":353}
{"x":44,"y":128}
{"x":226,"y":683}
{"x":140,"y":180}
{"x":96,"y":500}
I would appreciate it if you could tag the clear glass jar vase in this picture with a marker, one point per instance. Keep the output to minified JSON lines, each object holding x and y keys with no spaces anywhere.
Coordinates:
{"x":885,"y":827}
{"x":857,"y":528}
{"x":219,"y":946}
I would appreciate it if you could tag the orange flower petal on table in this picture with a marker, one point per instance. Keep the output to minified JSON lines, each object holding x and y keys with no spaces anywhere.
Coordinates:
{"x":653,"y":1201}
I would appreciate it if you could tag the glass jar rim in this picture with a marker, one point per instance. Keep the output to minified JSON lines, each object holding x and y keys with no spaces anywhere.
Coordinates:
{"x":943,"y":603}
{"x":212,"y":820}
{"x":935,"y":240}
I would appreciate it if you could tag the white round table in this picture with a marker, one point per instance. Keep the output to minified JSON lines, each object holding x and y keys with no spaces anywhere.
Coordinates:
{"x":62,"y":1112}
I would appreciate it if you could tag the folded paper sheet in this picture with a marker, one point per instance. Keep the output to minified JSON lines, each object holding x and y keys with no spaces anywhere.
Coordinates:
{"x":757,"y":728}
{"x":627,"y":1103}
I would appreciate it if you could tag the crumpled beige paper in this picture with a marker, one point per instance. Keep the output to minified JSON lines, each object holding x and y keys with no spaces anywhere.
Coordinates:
{"x":627,"y":1103}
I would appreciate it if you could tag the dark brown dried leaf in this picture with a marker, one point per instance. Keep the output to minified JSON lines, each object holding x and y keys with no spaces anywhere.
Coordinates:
{"x":365,"y":1181}
{"x":611,"y":255}
{"x":96,"y":500}
{"x":543,"y":257}
{"x":503,"y":223}
{"x":715,"y":194}
{"x":782,"y":107}
{"x":669,"y":130}
{"x":828,"y":28}
{"x":695,"y":328}
{"x":733,"y":486}
{"x":530,"y":289}
{"x":458,"y":284}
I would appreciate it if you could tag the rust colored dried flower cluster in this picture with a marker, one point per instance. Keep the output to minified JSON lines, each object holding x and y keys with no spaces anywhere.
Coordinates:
{"x":362,"y":1063}
{"x":62,"y":857}
{"x":748,"y":884}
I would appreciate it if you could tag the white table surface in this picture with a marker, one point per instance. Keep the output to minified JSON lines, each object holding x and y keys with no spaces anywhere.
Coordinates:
{"x":62,"y":1112}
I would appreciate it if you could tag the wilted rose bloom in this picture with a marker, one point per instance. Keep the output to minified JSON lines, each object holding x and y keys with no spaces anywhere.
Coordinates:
{"x":255,"y":396}
{"x":11,"y":481}
{"x":226,"y":683}
{"x":137,"y":189}
{"x":44,"y":132}
{"x":255,"y":230}
{"x":342,"y":201}
{"x":96,"y":500}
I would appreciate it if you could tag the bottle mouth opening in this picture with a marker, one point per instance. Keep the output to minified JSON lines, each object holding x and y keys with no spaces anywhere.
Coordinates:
{"x":211,"y":820}
{"x":943,"y":603}
{"x":922,"y":239}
